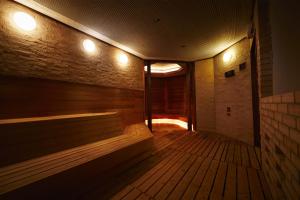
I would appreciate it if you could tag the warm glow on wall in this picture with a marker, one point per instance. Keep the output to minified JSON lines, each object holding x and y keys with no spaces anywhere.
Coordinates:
{"x":89,"y":45}
{"x":177,"y":122}
{"x":122,"y":58}
{"x":24,"y":21}
{"x":227,"y":57}
{"x":164,"y":68}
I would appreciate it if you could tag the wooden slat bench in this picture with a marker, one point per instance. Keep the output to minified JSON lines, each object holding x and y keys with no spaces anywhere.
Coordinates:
{"x":27,"y":138}
{"x":65,"y":170}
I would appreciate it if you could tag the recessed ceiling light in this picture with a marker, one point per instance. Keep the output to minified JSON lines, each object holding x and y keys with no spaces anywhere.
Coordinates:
{"x":24,"y":21}
{"x":162,"y":68}
{"x":89,"y":45}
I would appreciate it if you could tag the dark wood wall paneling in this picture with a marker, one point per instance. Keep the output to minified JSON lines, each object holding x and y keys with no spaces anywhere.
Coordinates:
{"x":158,"y":95}
{"x":168,"y":95}
{"x":32,"y":97}
{"x":176,"y":95}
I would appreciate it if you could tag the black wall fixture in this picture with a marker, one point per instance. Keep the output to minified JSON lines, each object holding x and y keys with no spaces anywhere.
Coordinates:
{"x":229,"y":73}
{"x":242,"y":66}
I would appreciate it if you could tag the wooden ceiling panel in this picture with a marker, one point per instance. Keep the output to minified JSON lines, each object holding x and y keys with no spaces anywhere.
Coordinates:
{"x":163,"y":29}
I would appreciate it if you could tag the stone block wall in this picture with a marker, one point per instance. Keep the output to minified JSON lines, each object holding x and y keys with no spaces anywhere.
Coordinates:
{"x":54,"y":51}
{"x":264,"y":48}
{"x":280,"y":140}
{"x":234,"y":93}
{"x":205,"y":95}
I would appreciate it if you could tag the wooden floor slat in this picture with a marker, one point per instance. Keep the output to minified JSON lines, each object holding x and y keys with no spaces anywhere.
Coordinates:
{"x":208,"y":181}
{"x":170,"y":185}
{"x":253,"y":158}
{"x":265,"y":186}
{"x":133,"y":194}
{"x":218,"y":188}
{"x":254,"y":183}
{"x":197,"y":167}
{"x":159,"y":184}
{"x":245,"y":156}
{"x":149,"y":182}
{"x":242,"y":183}
{"x":183,"y":184}
{"x":230,"y":185}
{"x":197,"y":180}
{"x":224,"y":154}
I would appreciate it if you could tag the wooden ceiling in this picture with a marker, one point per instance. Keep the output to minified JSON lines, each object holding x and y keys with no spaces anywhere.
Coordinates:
{"x":161,"y":29}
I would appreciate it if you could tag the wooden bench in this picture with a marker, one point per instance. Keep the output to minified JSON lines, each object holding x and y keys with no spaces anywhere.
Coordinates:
{"x":65,"y":170}
{"x":27,"y":138}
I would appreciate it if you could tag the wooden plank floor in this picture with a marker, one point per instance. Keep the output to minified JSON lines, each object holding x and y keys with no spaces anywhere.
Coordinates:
{"x":194,"y":166}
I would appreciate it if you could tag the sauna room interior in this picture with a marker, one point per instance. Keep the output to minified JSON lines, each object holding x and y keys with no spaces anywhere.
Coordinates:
{"x":161,"y":99}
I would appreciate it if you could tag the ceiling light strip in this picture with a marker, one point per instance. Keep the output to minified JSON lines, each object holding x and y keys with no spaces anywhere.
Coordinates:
{"x":164,"y":69}
{"x":52,"y":14}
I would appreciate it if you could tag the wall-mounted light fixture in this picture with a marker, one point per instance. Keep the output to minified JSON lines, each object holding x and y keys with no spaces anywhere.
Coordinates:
{"x":24,"y":21}
{"x":227,"y":56}
{"x":122,"y":58}
{"x":89,"y":45}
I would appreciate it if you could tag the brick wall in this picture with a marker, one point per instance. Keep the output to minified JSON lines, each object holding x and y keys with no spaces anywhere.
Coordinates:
{"x":280,"y":140}
{"x":234,"y":92}
{"x":54,"y":51}
{"x":264,"y":48}
{"x":205,"y":102}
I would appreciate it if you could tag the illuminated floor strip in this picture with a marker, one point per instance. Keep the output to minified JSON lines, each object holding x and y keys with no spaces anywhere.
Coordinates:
{"x":177,"y":122}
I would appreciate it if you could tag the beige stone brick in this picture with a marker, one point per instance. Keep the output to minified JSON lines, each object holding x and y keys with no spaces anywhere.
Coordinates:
{"x":288,"y":98}
{"x":282,"y":108}
{"x":263,"y":100}
{"x":268,"y":99}
{"x":268,"y":106}
{"x":273,"y":107}
{"x":291,"y":145}
{"x":278,"y":116}
{"x":284,"y":129}
{"x":289,"y":120}
{"x":289,"y":191}
{"x":275,"y":124}
{"x":294,"y":109}
{"x":270,"y":114}
{"x":296,"y":184}
{"x":295,"y":135}
{"x":295,"y":160}
{"x":277,"y":99}
{"x":297,"y":97}
{"x":263,"y":106}
{"x":267,"y":120}
{"x":53,"y":52}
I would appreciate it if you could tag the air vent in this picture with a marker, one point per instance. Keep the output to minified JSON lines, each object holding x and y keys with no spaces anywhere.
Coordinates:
{"x":230,"y":73}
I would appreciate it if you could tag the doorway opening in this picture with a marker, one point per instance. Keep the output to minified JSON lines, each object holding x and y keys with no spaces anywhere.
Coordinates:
{"x":168,"y":96}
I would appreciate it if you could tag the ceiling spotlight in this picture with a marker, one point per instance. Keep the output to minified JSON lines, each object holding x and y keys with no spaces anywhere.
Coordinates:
{"x":227,"y":56}
{"x":123,"y":59}
{"x":24,"y":21}
{"x":89,"y":45}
